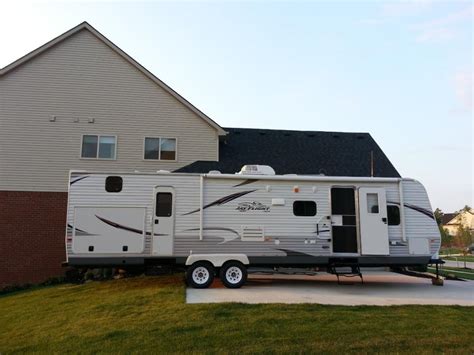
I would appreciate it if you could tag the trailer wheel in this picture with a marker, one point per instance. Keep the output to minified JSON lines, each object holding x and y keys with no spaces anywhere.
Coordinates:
{"x":200,"y":274}
{"x":233,"y":274}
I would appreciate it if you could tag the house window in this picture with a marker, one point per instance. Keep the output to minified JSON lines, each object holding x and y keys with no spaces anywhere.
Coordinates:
{"x":160,"y":148}
{"x":98,"y":146}
{"x":304,"y":208}
{"x":393,"y":215}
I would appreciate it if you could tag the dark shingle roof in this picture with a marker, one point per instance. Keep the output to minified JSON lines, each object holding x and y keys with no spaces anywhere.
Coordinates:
{"x":447,"y":217}
{"x":298,"y":152}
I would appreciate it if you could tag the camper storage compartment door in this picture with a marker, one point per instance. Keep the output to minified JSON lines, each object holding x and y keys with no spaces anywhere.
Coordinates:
{"x":108,"y":230}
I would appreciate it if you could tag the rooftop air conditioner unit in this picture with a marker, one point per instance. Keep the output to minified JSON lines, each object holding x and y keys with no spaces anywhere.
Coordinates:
{"x":256,"y":170}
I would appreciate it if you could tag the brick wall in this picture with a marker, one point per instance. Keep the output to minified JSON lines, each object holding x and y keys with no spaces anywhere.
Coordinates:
{"x":32,"y":231}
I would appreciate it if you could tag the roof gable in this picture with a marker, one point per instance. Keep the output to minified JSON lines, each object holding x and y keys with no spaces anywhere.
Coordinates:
{"x":448,"y":217}
{"x":459,"y":218}
{"x":133,"y":62}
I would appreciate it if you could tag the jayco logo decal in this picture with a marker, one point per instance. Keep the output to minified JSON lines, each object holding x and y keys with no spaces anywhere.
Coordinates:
{"x":252,"y":206}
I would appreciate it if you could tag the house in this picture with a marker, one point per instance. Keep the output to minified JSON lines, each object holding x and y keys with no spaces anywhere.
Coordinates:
{"x":80,"y":102}
{"x":452,"y":221}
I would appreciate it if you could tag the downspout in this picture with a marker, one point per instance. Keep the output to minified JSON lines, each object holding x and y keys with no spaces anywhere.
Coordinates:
{"x":402,"y":210}
{"x":201,"y":203}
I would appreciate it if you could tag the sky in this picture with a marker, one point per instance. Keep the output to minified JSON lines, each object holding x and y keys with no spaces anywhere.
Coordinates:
{"x":401,"y":71}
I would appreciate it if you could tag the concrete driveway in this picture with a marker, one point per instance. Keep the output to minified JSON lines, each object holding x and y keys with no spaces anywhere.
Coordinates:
{"x":380,"y":288}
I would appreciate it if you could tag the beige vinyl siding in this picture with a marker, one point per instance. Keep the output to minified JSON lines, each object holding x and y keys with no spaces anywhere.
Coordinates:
{"x":79,"y":78}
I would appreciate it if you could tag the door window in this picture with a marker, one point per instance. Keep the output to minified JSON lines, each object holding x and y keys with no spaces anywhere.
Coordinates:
{"x":372,"y":203}
{"x":342,"y":201}
{"x":164,"y":204}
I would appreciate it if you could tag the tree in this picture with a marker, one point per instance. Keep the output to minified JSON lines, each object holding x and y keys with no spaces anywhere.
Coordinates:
{"x":466,"y":208}
{"x":446,"y":239}
{"x":463,"y":239}
{"x":438,"y":216}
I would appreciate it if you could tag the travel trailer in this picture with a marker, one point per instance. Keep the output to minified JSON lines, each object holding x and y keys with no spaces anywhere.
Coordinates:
{"x":221,"y":224}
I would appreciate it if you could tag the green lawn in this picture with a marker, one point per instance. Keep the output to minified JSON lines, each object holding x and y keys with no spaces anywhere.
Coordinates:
{"x":447,"y":251}
{"x":149,"y":315}
{"x":459,"y":258}
{"x":460,"y":272}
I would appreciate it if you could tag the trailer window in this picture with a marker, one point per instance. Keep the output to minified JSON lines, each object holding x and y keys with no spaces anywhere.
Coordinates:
{"x":393,"y":215}
{"x":113,"y":184}
{"x":304,"y":208}
{"x":164,"y":204}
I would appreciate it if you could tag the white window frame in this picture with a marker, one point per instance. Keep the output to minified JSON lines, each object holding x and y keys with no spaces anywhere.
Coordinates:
{"x":98,"y":145}
{"x":159,"y":150}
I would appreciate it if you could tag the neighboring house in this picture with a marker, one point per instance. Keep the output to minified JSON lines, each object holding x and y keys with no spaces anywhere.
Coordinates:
{"x":79,"y":102}
{"x":452,"y":221}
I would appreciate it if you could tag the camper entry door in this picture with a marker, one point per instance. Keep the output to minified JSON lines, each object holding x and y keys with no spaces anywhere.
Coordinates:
{"x":373,"y":221}
{"x":163,"y":220}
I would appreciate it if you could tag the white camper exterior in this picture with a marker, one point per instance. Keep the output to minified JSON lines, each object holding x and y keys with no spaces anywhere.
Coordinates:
{"x":229,"y":221}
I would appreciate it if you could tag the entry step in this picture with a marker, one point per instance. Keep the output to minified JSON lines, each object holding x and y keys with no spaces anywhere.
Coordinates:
{"x":345,"y":270}
{"x":348,"y":270}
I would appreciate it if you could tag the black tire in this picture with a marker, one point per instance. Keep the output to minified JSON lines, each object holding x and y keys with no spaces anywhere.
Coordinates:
{"x":74,"y":275}
{"x":233,"y":274}
{"x":200,"y":274}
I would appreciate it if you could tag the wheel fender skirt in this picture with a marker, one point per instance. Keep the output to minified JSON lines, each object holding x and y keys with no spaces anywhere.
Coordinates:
{"x":217,"y":259}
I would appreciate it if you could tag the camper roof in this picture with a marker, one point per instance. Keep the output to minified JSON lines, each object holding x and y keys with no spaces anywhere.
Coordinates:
{"x":252,"y":177}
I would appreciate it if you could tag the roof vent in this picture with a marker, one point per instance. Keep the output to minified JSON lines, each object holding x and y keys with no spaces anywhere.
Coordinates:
{"x":214,"y":172}
{"x":256,"y":170}
{"x":163,"y":172}
{"x":335,"y":136}
{"x":311,"y":135}
{"x":287,"y":134}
